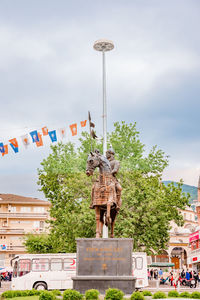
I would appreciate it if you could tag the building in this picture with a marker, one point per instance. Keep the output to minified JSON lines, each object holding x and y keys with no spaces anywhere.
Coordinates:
{"x":194,"y":240}
{"x":179,"y":247}
{"x":18,"y":216}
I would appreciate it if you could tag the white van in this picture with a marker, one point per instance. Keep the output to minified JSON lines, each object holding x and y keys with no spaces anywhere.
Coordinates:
{"x":54,"y":271}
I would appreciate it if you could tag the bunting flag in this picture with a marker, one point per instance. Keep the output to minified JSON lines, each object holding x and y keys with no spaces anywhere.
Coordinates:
{"x":2,"y":150}
{"x":73,"y":128}
{"x":83,"y":123}
{"x":14,"y":145}
{"x":52,"y":135}
{"x":25,"y":140}
{"x":45,"y":130}
{"x":40,"y":143}
{"x":5,"y":150}
{"x":34,"y":135}
{"x":62,"y":132}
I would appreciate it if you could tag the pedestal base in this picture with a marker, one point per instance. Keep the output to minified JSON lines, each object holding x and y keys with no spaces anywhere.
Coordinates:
{"x":102,"y":283}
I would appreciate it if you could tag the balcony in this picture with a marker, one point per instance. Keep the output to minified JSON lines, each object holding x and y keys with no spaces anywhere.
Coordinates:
{"x":12,"y":231}
{"x":24,"y":215}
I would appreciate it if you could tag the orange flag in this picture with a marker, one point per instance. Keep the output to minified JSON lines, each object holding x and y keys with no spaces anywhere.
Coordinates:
{"x":14,"y":142}
{"x":5,"y":150}
{"x":83,"y":123}
{"x":40,"y":143}
{"x":45,"y":130}
{"x":73,"y":128}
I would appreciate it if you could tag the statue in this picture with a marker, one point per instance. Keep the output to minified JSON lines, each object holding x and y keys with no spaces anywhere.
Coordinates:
{"x":106,"y":191}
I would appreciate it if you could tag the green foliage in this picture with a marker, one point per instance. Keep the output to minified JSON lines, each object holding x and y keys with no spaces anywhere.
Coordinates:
{"x":46,"y":295}
{"x":56,"y":292}
{"x":173,"y":294}
{"x":92,"y":294}
{"x":138,"y":296}
{"x":18,"y":293}
{"x":195,"y":295}
{"x":114,"y":294}
{"x":146,"y":293}
{"x":147,"y":209}
{"x":159,"y":295}
{"x":184,"y":295}
{"x":72,"y":295}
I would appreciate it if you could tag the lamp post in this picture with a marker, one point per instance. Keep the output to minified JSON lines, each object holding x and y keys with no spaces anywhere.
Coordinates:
{"x":104,"y":45}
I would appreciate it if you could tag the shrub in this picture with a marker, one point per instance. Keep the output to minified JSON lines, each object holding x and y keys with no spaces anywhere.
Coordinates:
{"x":184,"y":295}
{"x":114,"y":294}
{"x":173,"y":294}
{"x":45,"y":295}
{"x":72,"y":295}
{"x":92,"y":294}
{"x":159,"y":295}
{"x":56,"y":292}
{"x":146,"y":293}
{"x":137,"y":296}
{"x":7,"y":294}
{"x":195,"y":295}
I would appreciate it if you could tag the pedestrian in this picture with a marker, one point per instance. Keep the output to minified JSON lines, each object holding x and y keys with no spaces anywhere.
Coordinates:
{"x":160,"y":273}
{"x":183,"y":274}
{"x":148,"y":274}
{"x":196,"y":277}
{"x":187,"y":275}
{"x":151,"y":273}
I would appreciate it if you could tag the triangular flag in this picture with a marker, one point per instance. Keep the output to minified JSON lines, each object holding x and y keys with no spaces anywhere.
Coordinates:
{"x":25,"y":140}
{"x":73,"y":128}
{"x":40,"y":143}
{"x":52,"y":135}
{"x":83,"y":123}
{"x":34,"y":135}
{"x":2,"y":150}
{"x":14,"y":145}
{"x":62,"y":132}
{"x":5,"y":150}
{"x":45,"y":131}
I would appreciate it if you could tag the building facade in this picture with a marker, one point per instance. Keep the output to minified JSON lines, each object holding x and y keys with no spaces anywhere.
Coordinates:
{"x":18,"y":216}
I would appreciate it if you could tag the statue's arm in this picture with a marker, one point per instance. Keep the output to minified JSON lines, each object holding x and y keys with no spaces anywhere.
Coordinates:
{"x":116,"y":167}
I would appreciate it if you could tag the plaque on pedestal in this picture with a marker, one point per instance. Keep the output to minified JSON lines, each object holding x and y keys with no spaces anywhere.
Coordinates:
{"x":103,"y":264}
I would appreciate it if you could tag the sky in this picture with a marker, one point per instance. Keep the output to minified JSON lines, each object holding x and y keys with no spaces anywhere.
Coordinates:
{"x":50,"y":75}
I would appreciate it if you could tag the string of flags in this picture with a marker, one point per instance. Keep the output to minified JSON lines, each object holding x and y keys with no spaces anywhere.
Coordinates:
{"x":37,"y":137}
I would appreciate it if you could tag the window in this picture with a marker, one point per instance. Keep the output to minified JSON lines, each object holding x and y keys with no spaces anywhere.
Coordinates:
{"x":133,"y":263}
{"x":36,"y":224}
{"x":25,"y":209}
{"x":56,"y":264}
{"x":38,"y":209}
{"x":40,"y":264}
{"x":139,"y":263}
{"x":69,"y":264}
{"x":12,"y":209}
{"x":24,"y":267}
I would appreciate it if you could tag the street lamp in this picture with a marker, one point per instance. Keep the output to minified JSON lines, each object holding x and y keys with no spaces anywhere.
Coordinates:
{"x":104,"y":45}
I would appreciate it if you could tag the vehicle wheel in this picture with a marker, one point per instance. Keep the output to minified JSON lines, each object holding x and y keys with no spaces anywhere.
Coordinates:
{"x":192,"y":285}
{"x":40,"y":286}
{"x":184,"y":282}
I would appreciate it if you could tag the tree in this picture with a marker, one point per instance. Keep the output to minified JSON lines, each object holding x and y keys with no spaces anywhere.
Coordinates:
{"x":148,"y":205}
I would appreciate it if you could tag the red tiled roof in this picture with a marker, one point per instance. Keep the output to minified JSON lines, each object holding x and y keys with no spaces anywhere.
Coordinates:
{"x":10,"y":198}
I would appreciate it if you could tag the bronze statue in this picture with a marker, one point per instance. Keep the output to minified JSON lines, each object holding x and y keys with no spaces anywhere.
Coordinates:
{"x":106,"y":191}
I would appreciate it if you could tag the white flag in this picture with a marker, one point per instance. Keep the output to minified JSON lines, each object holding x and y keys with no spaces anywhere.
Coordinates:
{"x":62,"y":132}
{"x":25,"y":140}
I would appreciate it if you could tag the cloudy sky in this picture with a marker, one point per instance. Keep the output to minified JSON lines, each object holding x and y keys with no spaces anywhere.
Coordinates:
{"x":51,"y":76}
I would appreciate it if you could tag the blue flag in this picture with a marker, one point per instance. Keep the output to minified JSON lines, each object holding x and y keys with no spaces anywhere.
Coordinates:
{"x":34,"y":136}
{"x":16,"y":149}
{"x":53,"y":136}
{"x":2,"y":150}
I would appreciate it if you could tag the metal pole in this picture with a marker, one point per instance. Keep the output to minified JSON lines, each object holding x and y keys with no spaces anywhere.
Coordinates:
{"x":104,"y":106}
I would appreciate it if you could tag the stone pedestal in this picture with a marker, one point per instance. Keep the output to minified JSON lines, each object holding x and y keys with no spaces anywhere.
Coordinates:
{"x":103,"y":264}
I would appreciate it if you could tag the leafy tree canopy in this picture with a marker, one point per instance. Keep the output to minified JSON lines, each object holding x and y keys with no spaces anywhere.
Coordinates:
{"x":148,"y":205}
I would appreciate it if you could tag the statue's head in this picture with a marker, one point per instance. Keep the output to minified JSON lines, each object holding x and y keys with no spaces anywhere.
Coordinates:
{"x":109,"y":153}
{"x":93,"y":161}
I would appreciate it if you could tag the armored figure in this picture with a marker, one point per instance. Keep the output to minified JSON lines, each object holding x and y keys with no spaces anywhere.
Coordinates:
{"x":115,"y":165}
